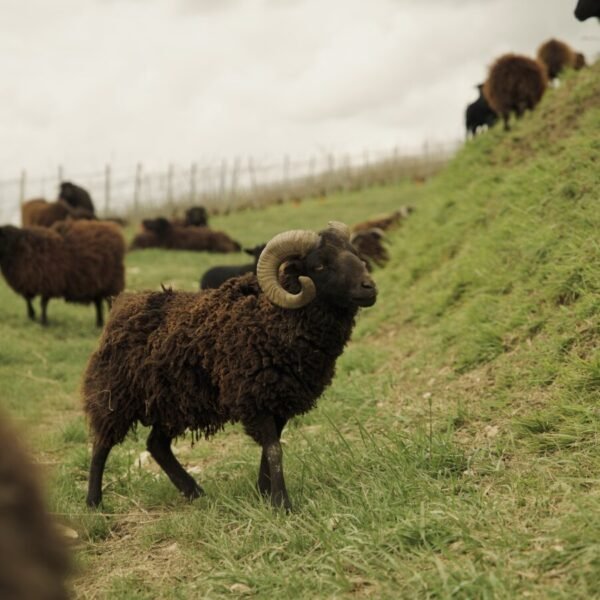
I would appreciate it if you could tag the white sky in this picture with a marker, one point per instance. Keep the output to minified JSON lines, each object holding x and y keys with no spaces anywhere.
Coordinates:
{"x":85,"y":82}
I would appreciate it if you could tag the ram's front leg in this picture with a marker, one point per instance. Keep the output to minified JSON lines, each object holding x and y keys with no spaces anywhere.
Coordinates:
{"x":266,"y":430}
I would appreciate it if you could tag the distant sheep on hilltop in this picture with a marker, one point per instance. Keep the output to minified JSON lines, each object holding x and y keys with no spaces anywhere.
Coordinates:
{"x":515,"y":83}
{"x":557,"y":56}
{"x":586,"y":9}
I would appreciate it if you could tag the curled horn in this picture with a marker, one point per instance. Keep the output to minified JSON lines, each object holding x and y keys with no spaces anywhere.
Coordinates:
{"x":277,"y":251}
{"x":341,"y":228}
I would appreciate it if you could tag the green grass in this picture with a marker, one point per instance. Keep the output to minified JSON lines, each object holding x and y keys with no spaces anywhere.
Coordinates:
{"x":457,"y":453}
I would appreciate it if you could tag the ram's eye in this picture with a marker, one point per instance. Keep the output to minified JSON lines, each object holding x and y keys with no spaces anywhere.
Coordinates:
{"x":319,"y":267}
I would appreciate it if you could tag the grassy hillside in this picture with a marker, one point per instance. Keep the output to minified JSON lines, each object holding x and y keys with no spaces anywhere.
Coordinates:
{"x":456,"y":455}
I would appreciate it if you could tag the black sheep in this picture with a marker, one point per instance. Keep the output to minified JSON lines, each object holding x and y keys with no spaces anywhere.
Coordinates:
{"x":479,"y":114}
{"x":586,"y":9}
{"x":75,"y":196}
{"x":258,"y":350}
{"x":215,"y":276}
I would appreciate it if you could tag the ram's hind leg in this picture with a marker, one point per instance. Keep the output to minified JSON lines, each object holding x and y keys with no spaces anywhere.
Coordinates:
{"x":159,"y":446}
{"x":44,"y":304}
{"x":30,"y":309}
{"x":99,"y":456}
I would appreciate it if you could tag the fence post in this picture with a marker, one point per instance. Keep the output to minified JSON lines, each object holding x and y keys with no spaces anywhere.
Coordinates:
{"x":106,"y":189}
{"x":193,"y":175}
{"x":223,"y":181}
{"x":22,"y":186}
{"x":234,"y":181}
{"x":137,"y":187}
{"x":170,"y":172}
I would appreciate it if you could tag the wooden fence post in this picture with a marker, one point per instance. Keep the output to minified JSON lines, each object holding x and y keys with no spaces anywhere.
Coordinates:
{"x":22,"y":186}
{"x":223,"y":181}
{"x":106,"y":189}
{"x":137,"y":188}
{"x":170,"y":173}
{"x":193,"y":176}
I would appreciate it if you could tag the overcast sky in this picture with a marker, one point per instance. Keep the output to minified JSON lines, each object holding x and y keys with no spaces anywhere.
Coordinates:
{"x":85,"y":82}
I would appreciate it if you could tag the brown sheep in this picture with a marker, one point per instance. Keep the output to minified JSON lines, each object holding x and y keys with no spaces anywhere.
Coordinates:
{"x":369,"y":244}
{"x":257,"y":350}
{"x":385,"y":222}
{"x":580,"y":61}
{"x":160,"y":233}
{"x":515,"y":83}
{"x":80,"y":261}
{"x":34,"y":562}
{"x":556,"y":56}
{"x":44,"y":214}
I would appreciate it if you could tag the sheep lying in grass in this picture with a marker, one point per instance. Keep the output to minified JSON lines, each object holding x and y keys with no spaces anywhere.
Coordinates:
{"x":80,"y":261}
{"x":34,"y":561}
{"x":160,"y":233}
{"x":42,"y":213}
{"x":258,"y":350}
{"x":515,"y":83}
{"x":216,"y":276}
{"x":479,"y":114}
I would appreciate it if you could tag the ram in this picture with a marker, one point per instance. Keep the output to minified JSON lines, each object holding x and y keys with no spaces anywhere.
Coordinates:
{"x":258,"y":350}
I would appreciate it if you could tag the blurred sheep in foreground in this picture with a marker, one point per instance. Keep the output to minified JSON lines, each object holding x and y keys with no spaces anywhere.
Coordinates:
{"x":34,"y":563}
{"x":586,"y":9}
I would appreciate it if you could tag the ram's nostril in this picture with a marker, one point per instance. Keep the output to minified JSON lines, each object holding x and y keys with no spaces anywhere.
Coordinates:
{"x":368,"y":285}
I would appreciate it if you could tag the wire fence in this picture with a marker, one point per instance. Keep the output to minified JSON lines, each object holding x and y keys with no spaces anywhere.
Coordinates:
{"x":228,"y":184}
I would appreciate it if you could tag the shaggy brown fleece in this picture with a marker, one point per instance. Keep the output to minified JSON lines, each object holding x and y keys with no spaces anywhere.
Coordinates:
{"x":556,"y":56}
{"x":225,"y":355}
{"x":515,"y":83}
{"x":80,"y":261}
{"x":34,"y":562}
{"x":41,"y":213}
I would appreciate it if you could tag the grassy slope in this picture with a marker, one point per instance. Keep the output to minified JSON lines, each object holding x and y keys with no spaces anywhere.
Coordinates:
{"x":457,"y":453}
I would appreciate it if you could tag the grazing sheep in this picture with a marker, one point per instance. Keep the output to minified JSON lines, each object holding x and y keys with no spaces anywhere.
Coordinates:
{"x":215,"y":276}
{"x":34,"y":562}
{"x":369,"y":244}
{"x":556,"y":56}
{"x":479,"y":114}
{"x":44,"y":214}
{"x":259,"y":350}
{"x":160,"y":233}
{"x":515,"y":83}
{"x":385,"y":222}
{"x":80,"y":261}
{"x":586,"y":9}
{"x":76,"y":196}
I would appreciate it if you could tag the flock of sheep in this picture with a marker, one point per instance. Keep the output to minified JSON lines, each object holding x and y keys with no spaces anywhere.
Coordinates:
{"x":516,"y":83}
{"x":257,"y":346}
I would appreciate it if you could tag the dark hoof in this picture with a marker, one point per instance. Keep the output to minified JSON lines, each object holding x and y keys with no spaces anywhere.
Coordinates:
{"x":281,"y":503}
{"x":194,"y":492}
{"x":93,"y":502}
